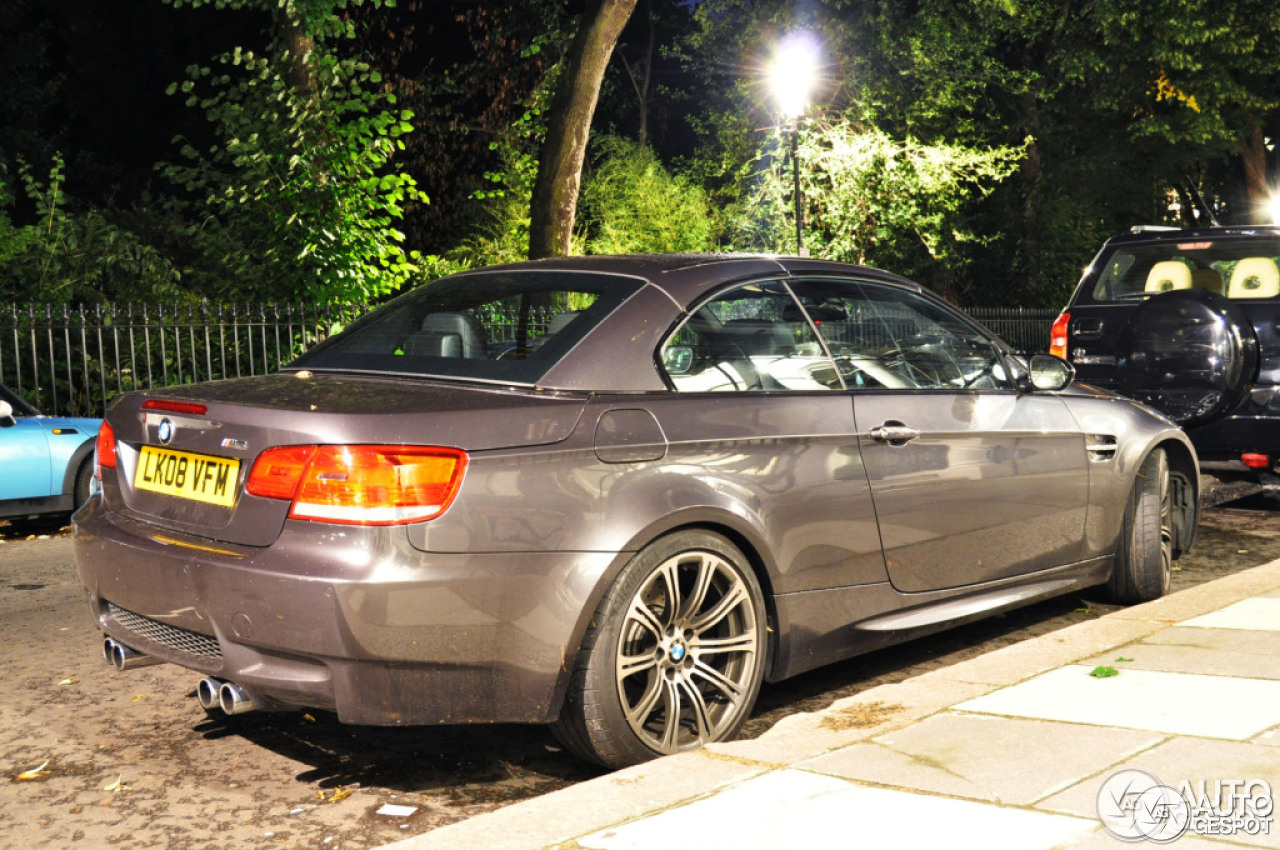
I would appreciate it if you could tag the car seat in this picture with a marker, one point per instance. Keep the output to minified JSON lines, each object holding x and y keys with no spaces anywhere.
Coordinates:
{"x":446,"y":335}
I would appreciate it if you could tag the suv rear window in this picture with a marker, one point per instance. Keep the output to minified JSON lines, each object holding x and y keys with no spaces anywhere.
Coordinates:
{"x":1236,"y":268}
{"x":505,"y":326}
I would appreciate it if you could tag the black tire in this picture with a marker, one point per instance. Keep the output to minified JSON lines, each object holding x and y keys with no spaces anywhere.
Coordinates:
{"x":83,"y":483}
{"x":1144,"y":553}
{"x":674,"y":656}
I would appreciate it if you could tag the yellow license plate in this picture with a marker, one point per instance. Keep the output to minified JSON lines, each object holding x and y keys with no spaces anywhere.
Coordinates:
{"x":187,"y":475}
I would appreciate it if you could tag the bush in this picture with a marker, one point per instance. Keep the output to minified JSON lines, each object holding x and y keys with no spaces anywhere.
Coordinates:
{"x":74,"y":256}
{"x":630,"y":204}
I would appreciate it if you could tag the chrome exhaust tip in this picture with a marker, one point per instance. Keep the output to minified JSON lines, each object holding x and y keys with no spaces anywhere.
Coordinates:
{"x":234,"y":699}
{"x":124,"y":657}
{"x":207,"y":693}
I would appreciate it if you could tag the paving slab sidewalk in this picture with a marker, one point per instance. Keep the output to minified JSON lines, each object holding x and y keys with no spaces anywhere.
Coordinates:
{"x":1016,"y":748}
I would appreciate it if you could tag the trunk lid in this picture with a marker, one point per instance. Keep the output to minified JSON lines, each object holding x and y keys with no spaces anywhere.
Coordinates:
{"x":157,"y":449}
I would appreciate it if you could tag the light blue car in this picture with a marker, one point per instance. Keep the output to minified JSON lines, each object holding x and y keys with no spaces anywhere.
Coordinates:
{"x":46,"y":464}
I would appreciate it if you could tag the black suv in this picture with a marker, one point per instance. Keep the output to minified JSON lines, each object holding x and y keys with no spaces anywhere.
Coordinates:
{"x":1188,"y":322}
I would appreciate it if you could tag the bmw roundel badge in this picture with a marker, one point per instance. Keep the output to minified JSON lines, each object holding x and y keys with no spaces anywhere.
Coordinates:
{"x":165,"y":432}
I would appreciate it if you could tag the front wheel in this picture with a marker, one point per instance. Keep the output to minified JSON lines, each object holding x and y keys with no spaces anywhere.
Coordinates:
{"x":674,"y":656}
{"x":1144,"y":553}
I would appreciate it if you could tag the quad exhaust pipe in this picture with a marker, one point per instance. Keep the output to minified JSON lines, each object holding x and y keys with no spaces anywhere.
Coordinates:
{"x":124,"y":657}
{"x":217,"y":693}
{"x":214,"y":693}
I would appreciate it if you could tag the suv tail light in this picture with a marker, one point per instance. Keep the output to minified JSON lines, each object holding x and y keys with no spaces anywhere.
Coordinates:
{"x":360,"y":485}
{"x":105,"y":450}
{"x":1058,"y":336}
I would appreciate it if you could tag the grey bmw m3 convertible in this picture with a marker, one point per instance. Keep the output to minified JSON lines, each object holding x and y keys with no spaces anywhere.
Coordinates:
{"x":614,"y":495}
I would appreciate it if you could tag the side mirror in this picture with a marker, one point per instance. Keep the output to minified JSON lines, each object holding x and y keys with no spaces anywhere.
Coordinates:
{"x":6,"y":415}
{"x":1049,"y":374}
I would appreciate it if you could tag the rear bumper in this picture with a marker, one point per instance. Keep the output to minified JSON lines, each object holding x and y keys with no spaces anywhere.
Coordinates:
{"x":1254,"y":427}
{"x":352,"y":620}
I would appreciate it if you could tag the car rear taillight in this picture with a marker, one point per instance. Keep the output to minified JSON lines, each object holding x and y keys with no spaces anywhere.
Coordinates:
{"x":361,"y":485}
{"x":1058,"y":336}
{"x":106,"y":450}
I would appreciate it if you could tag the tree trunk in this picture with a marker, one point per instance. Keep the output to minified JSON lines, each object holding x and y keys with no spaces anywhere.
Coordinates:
{"x":555,"y":190}
{"x":299,"y":47}
{"x":641,"y":75}
{"x":1253,"y":151}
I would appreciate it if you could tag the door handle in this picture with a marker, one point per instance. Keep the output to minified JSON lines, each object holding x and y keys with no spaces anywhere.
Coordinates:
{"x":894,"y":433}
{"x":1086,"y":328}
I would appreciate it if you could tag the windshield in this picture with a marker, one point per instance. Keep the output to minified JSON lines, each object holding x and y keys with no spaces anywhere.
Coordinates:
{"x":1235,"y":267}
{"x":506,"y":326}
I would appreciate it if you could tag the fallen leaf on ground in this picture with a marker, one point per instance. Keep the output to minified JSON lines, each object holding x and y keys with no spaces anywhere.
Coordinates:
{"x":116,"y":786}
{"x":69,"y":682}
{"x":33,"y":773}
{"x":338,"y":794}
{"x":1104,"y":672}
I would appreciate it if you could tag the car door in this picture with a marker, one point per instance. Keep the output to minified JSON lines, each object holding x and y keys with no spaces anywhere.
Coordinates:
{"x":971,"y":480}
{"x":760,"y":413}
{"x":25,"y":467}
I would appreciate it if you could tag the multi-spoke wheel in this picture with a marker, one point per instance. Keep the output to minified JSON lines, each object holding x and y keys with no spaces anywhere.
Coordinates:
{"x":1144,"y":553}
{"x":674,"y":657}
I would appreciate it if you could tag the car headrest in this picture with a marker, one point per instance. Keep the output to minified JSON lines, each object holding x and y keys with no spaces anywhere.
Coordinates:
{"x":1254,"y":277}
{"x":1168,"y":275}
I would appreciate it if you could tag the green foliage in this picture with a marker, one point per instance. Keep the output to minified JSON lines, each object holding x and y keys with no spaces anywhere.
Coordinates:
{"x":68,"y":256}
{"x":631,"y":204}
{"x":868,"y":198}
{"x":300,"y":197}
{"x":1205,"y":69}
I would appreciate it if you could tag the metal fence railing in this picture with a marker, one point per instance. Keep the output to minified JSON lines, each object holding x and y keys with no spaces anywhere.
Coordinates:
{"x":1025,"y":328}
{"x":73,"y":361}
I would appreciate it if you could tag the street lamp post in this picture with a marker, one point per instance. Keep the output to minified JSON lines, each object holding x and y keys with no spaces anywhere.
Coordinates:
{"x":792,"y":72}
{"x":795,"y":186}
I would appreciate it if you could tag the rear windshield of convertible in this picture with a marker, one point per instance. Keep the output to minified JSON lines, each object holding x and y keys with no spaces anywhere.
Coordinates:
{"x":510,"y":327}
{"x":1235,"y":267}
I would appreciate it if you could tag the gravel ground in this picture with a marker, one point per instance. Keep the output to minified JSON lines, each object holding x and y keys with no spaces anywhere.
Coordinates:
{"x":129,"y":760}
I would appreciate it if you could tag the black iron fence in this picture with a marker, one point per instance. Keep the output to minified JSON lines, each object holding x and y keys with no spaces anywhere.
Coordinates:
{"x":1025,"y":328}
{"x":73,"y":361}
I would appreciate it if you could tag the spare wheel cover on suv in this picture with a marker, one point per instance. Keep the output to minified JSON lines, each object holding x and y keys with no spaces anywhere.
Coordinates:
{"x":1191,"y":354}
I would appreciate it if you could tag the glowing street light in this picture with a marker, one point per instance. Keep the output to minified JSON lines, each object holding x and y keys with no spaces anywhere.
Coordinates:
{"x":792,"y":72}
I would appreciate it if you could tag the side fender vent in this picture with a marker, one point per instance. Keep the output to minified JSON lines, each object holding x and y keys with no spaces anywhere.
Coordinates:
{"x":1101,"y":447}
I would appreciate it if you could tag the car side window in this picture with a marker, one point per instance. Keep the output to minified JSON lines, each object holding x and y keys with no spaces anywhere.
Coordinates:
{"x":752,"y":338}
{"x":883,"y":337}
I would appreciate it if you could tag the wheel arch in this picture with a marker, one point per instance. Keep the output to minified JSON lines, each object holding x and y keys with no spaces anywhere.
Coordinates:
{"x":82,"y":454}
{"x":1184,"y":474}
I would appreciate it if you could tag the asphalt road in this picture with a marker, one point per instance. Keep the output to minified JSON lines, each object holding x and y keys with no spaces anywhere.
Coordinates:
{"x":129,"y":760}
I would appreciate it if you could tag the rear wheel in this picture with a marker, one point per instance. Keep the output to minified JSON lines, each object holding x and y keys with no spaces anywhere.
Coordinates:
{"x":674,"y":656}
{"x":1144,"y":554}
